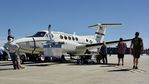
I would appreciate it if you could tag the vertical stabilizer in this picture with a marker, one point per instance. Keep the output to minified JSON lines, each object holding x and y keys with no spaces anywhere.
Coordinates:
{"x":101,"y":30}
{"x":100,"y":34}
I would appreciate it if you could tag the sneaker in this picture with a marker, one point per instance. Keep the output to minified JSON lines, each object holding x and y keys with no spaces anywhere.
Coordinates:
{"x":134,"y":67}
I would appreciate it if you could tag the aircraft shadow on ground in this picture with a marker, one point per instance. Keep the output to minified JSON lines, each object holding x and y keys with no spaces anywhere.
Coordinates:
{"x":87,"y":64}
{"x":40,"y":65}
{"x":75,"y":64}
{"x":109,"y":65}
{"x":44,"y":64}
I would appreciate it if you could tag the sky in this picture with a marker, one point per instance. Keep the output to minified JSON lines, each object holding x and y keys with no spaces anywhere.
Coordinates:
{"x":25,"y":17}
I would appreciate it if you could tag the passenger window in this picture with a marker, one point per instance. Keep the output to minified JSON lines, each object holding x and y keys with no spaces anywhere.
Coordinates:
{"x":61,"y":36}
{"x":76,"y":39}
{"x":65,"y":37}
{"x":86,"y":40}
{"x":69,"y":37}
{"x":73,"y":38}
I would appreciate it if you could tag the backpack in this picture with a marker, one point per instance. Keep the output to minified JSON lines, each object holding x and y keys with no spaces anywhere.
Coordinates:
{"x":137,"y":43}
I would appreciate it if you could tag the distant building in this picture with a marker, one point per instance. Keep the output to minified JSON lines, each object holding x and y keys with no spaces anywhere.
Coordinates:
{"x":146,"y":51}
{"x":113,"y":50}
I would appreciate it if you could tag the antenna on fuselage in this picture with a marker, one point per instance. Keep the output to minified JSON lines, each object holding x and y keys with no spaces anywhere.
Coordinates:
{"x":74,"y":33}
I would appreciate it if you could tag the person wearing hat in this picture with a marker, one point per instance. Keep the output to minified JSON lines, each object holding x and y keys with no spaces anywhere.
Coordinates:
{"x":136,"y":48}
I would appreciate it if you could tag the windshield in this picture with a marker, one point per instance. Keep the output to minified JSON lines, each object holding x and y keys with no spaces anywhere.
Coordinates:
{"x":39,"y":34}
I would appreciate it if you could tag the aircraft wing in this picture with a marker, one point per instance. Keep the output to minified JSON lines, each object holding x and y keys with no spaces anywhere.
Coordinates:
{"x":95,"y":45}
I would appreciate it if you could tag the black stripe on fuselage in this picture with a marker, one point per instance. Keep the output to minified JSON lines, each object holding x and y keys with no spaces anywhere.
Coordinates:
{"x":34,"y":45}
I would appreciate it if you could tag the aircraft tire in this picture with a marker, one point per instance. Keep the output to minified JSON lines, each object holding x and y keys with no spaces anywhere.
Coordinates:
{"x":22,"y":59}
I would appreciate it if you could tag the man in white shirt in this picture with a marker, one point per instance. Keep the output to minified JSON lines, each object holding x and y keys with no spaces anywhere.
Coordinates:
{"x":12,"y":48}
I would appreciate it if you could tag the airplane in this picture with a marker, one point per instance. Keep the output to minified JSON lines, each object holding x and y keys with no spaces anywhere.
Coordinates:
{"x":31,"y":47}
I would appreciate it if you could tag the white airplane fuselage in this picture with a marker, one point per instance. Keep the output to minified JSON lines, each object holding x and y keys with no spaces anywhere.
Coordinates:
{"x":69,"y":42}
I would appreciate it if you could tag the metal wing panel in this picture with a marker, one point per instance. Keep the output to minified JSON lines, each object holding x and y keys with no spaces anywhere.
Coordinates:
{"x":96,"y":45}
{"x":107,"y":43}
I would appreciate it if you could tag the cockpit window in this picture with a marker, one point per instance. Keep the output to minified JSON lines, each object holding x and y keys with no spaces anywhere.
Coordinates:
{"x":39,"y":34}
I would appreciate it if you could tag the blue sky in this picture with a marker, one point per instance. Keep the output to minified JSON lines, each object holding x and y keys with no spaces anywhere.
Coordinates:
{"x":25,"y":17}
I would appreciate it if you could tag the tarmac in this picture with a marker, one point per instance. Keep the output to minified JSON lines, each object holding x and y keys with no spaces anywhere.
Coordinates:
{"x":72,"y":73}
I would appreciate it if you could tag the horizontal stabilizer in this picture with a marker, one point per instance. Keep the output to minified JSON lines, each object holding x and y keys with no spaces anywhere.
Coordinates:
{"x":105,"y":25}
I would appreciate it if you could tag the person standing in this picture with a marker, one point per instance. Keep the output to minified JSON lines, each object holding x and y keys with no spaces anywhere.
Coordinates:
{"x":98,"y":57}
{"x":121,"y":48}
{"x":103,"y":52}
{"x":136,"y":48}
{"x":1,"y":54}
{"x":12,"y":48}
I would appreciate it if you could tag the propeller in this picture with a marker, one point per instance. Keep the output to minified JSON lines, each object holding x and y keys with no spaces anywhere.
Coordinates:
{"x":50,"y":34}
{"x":9,"y":34}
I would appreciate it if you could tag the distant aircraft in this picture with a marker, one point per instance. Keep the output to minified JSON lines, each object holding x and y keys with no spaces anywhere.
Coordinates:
{"x":72,"y":44}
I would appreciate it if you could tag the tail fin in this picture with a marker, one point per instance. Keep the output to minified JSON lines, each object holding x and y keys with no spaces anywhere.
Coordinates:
{"x":101,"y":30}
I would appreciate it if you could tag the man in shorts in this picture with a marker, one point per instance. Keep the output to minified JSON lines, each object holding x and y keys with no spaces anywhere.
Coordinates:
{"x":136,"y":48}
{"x":103,"y":53}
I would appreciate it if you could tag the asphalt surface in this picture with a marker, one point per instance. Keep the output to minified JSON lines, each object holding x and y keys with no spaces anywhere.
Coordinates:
{"x":71,"y":73}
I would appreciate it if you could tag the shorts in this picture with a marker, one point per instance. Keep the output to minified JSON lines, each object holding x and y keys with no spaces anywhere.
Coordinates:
{"x":136,"y":53}
{"x":120,"y":55}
